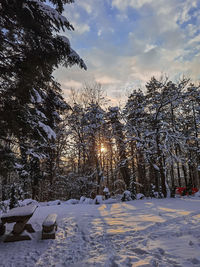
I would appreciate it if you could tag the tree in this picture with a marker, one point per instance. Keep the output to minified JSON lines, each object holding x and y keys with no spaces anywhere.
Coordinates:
{"x":113,"y":116}
{"x":135,"y":126}
{"x":30,"y":49}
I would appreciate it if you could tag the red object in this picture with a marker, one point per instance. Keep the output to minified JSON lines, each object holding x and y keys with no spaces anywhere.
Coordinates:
{"x":180,"y":190}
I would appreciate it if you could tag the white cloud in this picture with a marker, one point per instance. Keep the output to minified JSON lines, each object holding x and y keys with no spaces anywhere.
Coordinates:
{"x":80,"y":28}
{"x":86,"y":6}
{"x":71,"y":83}
{"x":191,"y":29}
{"x":122,"y":16}
{"x":122,"y":5}
{"x":196,"y":39}
{"x":99,"y":32}
{"x":149,"y":47}
{"x":106,"y":80}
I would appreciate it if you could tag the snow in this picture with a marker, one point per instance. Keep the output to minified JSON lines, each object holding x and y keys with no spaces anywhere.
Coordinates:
{"x":50,"y":133}
{"x":98,"y":199}
{"x":18,"y":166}
{"x":106,"y":190}
{"x":140,"y":196}
{"x":54,"y":202}
{"x":53,"y":14}
{"x":20,"y":211}
{"x":148,"y":232}
{"x":50,"y":220}
{"x":27,"y":201}
{"x":156,"y":167}
{"x":37,"y":96}
{"x":85,"y":200}
{"x":39,"y":113}
{"x":65,"y":40}
{"x":197,"y":194}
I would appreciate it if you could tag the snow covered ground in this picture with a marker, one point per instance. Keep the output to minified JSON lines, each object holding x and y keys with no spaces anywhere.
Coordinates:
{"x":149,"y":232}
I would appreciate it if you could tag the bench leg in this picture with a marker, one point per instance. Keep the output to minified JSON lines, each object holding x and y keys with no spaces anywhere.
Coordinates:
{"x":2,"y":229}
{"x":18,"y":228}
{"x":49,"y":235}
{"x":28,"y":227}
{"x":17,"y":232}
{"x":13,"y":238}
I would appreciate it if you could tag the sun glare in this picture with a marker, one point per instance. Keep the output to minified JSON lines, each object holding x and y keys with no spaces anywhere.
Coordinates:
{"x":103,"y":149}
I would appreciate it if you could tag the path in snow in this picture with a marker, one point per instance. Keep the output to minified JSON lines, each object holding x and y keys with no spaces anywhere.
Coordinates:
{"x":138,"y":233}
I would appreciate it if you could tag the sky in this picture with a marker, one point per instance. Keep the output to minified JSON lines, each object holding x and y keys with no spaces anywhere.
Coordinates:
{"x":126,"y":42}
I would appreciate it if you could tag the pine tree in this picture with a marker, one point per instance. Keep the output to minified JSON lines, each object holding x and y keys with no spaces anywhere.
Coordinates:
{"x":30,"y":49}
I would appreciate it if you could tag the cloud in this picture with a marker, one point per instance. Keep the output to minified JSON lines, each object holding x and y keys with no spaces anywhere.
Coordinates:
{"x":106,"y":80}
{"x":122,"y":5}
{"x":124,"y":43}
{"x":86,"y":6}
{"x":149,"y":47}
{"x":80,"y":28}
{"x":196,"y":39}
{"x":71,"y":83}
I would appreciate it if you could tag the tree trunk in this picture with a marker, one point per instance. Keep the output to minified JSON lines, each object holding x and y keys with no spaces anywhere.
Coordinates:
{"x":162,"y":173}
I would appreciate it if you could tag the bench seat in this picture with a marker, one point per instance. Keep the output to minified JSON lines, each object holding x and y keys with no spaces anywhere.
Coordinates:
{"x":49,"y":227}
{"x":19,"y":214}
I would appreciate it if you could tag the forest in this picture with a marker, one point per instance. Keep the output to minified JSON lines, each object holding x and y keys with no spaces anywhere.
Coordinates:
{"x":53,"y":149}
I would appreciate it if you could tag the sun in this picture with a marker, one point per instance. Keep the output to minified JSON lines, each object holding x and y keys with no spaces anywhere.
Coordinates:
{"x":103,"y":149}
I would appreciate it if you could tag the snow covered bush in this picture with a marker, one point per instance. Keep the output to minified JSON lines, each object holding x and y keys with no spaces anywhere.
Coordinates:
{"x":98,"y":199}
{"x":72,"y":201}
{"x":126,"y":196}
{"x":197,"y":194}
{"x":54,"y":202}
{"x":86,"y":200}
{"x":140,"y":196}
{"x":106,"y":192}
{"x":27,"y":201}
{"x":155,"y":194}
{"x":4,"y":206}
{"x":82,"y":199}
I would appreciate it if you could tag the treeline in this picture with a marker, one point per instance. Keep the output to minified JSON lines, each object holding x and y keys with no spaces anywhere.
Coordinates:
{"x":149,"y":146}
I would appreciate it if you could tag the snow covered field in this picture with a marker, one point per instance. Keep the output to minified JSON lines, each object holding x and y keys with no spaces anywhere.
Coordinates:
{"x":149,"y":232}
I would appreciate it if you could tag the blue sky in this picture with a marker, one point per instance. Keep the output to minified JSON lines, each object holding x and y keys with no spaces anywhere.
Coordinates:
{"x":125,"y":42}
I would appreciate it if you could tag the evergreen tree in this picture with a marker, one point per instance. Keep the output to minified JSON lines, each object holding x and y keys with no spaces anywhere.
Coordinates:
{"x":30,"y":49}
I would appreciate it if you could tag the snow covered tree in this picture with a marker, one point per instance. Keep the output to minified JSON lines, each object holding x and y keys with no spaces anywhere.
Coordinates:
{"x":54,"y":106}
{"x":156,"y":101}
{"x":94,"y":121}
{"x":30,"y":49}
{"x":190,"y":129}
{"x":135,"y":126}
{"x":113,"y":116}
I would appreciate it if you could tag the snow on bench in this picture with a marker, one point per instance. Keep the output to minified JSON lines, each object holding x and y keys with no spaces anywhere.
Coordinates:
{"x":18,"y":214}
{"x":49,"y":227}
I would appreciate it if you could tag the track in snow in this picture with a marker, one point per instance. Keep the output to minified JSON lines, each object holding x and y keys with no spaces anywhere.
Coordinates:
{"x":147,"y":233}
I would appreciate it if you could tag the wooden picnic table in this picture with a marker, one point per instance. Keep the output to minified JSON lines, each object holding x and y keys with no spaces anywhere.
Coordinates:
{"x":20,"y":217}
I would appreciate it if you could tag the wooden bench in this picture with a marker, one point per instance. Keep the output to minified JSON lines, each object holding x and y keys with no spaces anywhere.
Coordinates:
{"x":49,"y":227}
{"x":20,"y":217}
